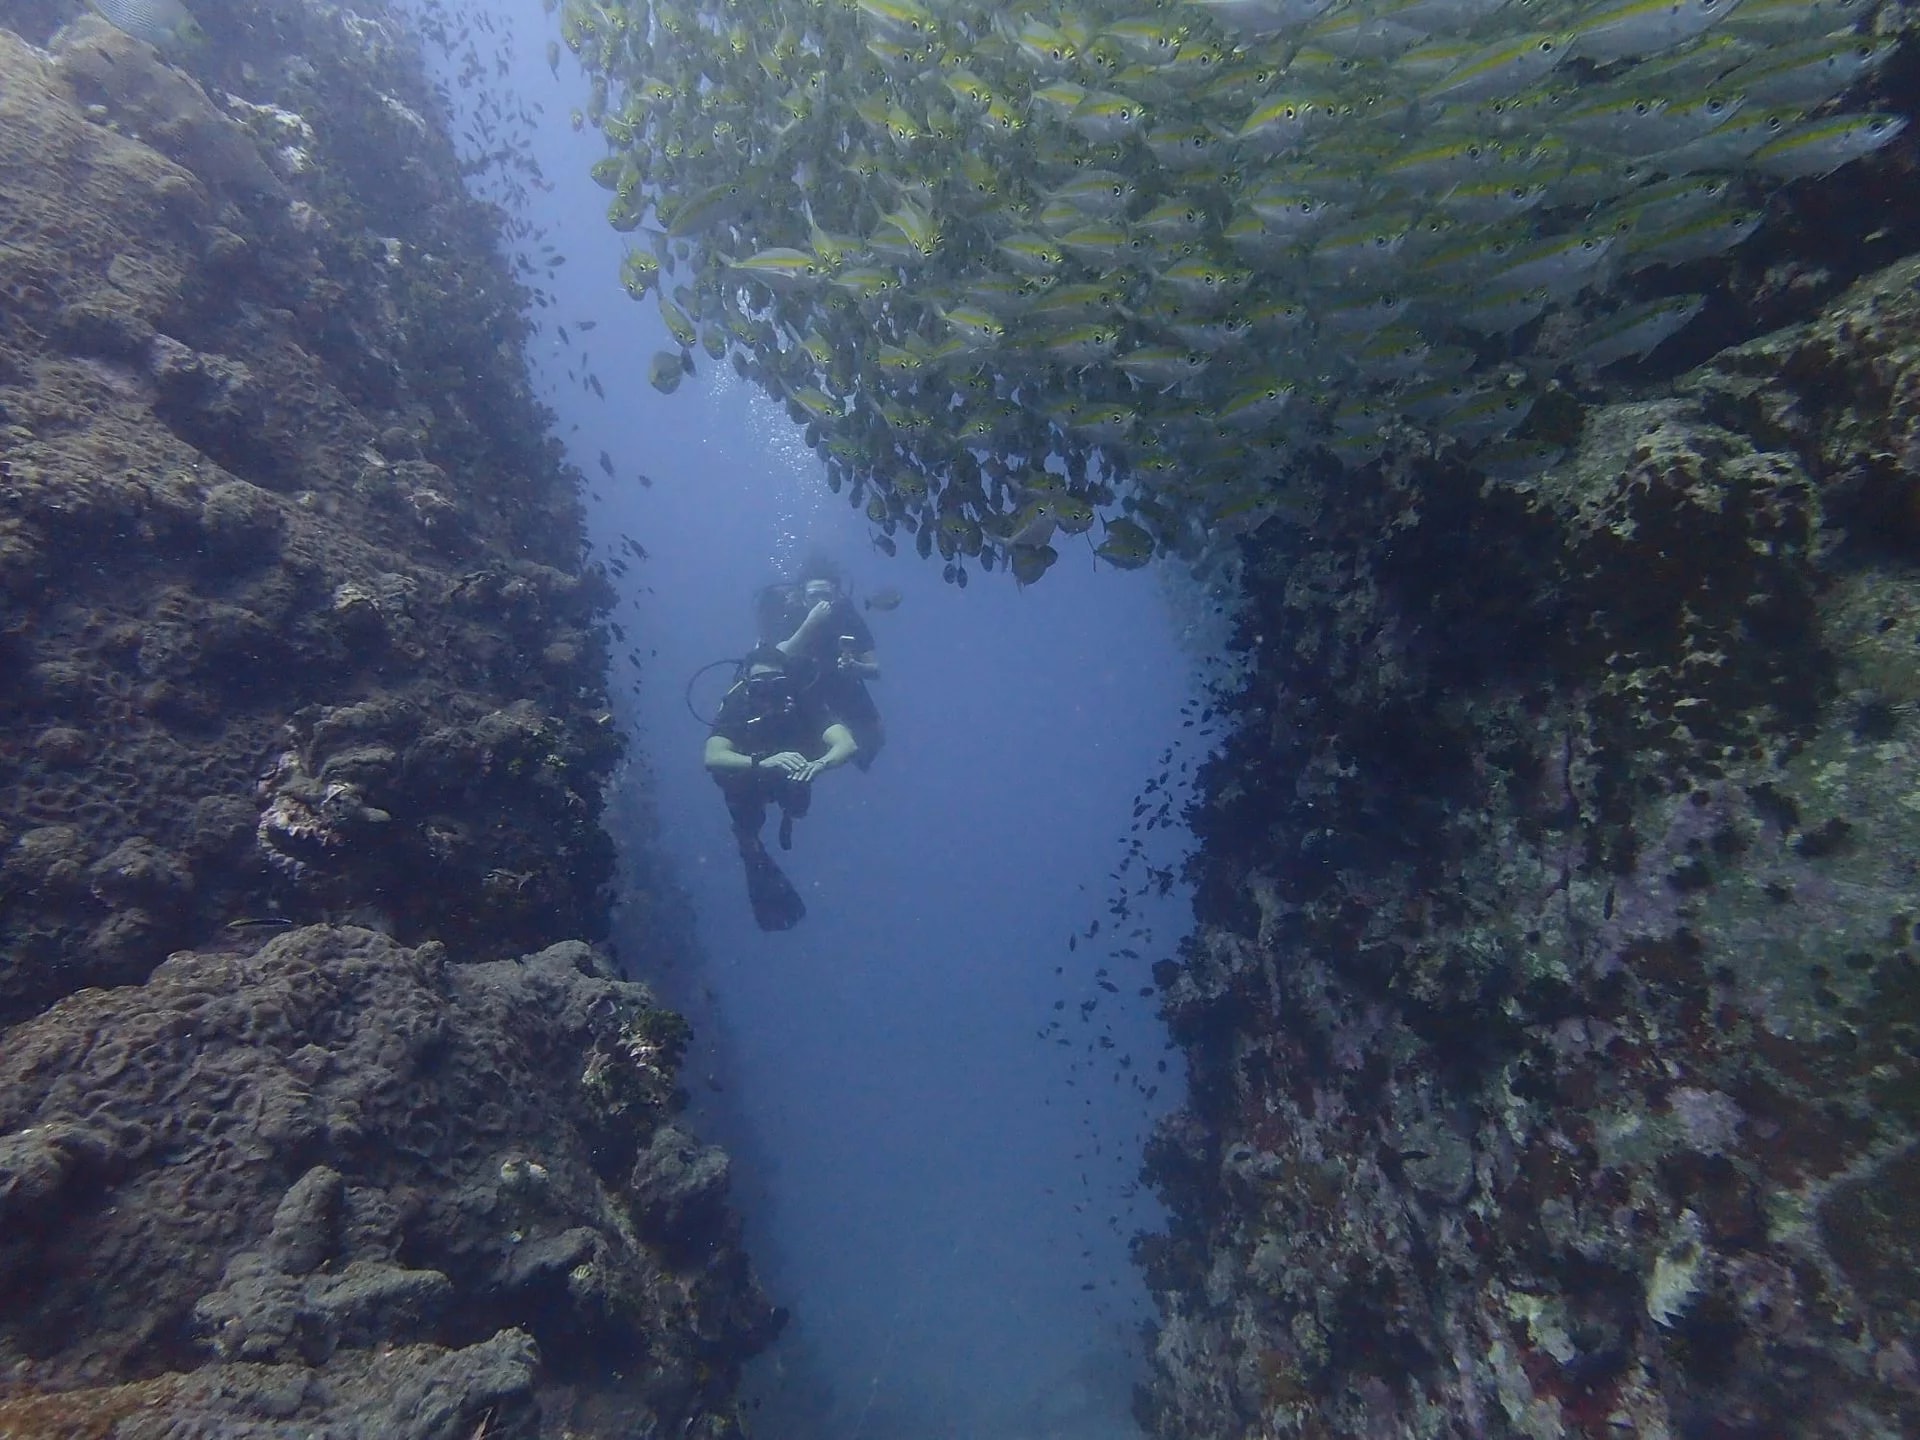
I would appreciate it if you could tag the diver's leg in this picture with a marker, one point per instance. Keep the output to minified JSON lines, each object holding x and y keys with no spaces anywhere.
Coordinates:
{"x":796,"y":798}
{"x":776,"y":904}
{"x":746,"y":799}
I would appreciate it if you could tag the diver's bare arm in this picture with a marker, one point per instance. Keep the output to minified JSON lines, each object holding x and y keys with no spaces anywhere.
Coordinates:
{"x":799,"y":640}
{"x":840,"y":747}
{"x":721,"y":755}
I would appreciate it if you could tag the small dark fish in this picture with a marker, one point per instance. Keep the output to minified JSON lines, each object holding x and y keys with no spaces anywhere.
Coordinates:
{"x":585,"y":325}
{"x":646,"y":480}
{"x":666,"y":370}
{"x":606,"y":463}
{"x":593,"y":383}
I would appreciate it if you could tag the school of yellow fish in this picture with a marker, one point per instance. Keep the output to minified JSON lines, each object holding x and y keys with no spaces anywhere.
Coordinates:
{"x":1029,"y":268}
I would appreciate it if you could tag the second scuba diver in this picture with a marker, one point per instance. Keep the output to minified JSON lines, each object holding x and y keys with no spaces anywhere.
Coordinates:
{"x":830,"y":650}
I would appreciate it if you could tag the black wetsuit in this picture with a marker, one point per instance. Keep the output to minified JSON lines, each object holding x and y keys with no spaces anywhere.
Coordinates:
{"x":759,"y":731}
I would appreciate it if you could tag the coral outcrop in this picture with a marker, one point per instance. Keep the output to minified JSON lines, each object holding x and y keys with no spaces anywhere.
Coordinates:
{"x":318,"y":1113}
{"x":262,"y":1162}
{"x":1554,"y":1018}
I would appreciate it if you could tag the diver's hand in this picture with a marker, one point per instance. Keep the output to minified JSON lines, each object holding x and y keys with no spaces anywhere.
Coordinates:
{"x":791,"y":761}
{"x":806,"y":772}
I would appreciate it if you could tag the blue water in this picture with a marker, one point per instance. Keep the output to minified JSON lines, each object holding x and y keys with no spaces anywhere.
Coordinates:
{"x":925,"y":1148}
{"x":936,"y":1154}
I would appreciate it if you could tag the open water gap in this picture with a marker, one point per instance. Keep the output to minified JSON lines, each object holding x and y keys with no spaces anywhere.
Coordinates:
{"x":936,"y":1088}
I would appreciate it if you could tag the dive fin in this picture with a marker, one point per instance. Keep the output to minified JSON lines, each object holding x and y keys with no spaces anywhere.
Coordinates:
{"x":776,"y":904}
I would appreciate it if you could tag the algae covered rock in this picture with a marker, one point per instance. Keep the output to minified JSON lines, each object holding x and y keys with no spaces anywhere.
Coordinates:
{"x":95,"y":219}
{"x":321,"y":1147}
{"x":161,"y":105}
{"x":409,"y":1392}
{"x":679,"y":1184}
{"x":243,"y":524}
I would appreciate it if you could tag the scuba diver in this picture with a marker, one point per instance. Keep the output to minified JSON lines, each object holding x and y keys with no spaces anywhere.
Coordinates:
{"x":767,"y":744}
{"x":830,"y":649}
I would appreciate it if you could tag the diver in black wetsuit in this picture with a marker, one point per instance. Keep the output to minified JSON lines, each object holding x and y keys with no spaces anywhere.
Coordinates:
{"x":814,"y":624}
{"x":768,"y":743}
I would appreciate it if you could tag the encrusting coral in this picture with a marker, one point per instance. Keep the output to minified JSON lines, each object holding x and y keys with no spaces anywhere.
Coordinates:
{"x":1553,"y":1011}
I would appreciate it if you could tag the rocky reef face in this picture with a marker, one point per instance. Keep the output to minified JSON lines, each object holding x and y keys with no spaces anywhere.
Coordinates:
{"x":317,"y":1115}
{"x":296,"y":608}
{"x":1554,"y":1011}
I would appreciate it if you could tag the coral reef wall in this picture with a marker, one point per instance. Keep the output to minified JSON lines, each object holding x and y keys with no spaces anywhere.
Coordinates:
{"x":1553,"y":1013}
{"x":294,"y":582}
{"x":316,"y":1115}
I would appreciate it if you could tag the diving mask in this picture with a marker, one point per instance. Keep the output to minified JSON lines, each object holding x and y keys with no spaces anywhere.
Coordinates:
{"x":769,"y":695}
